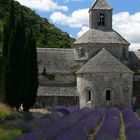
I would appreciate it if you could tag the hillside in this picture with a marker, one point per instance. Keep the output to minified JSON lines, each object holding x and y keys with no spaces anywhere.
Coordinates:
{"x":48,"y":36}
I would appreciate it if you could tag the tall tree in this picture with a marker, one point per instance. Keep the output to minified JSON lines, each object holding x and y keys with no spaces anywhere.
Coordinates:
{"x":30,"y":71}
{"x":7,"y":31}
{"x":8,"y":27}
{"x":14,"y":75}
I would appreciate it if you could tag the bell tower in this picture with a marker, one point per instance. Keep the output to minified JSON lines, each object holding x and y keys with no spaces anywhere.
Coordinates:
{"x":100,"y":15}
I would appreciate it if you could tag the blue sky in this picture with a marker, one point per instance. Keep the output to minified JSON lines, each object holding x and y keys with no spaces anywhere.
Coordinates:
{"x":72,"y":16}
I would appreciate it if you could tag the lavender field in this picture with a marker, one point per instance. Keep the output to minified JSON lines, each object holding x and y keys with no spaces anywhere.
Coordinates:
{"x":80,"y":124}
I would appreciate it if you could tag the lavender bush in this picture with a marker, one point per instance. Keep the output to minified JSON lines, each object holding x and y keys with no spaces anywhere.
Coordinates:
{"x":70,"y":109}
{"x":83,"y":128}
{"x":57,"y":128}
{"x":111,"y":126}
{"x":132,"y":124}
{"x":45,"y":120}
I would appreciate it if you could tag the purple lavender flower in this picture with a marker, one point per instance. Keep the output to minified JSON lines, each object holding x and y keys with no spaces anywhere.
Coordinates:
{"x":49,"y":132}
{"x":45,"y":120}
{"x":83,"y":128}
{"x":111,"y":126}
{"x":132,"y":124}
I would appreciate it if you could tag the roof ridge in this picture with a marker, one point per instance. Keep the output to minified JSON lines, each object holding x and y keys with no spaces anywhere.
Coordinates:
{"x":101,"y":4}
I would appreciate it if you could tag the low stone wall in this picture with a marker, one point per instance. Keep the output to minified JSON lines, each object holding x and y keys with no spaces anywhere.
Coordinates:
{"x":45,"y":101}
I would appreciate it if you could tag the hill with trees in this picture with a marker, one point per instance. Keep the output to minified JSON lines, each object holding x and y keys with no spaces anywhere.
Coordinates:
{"x":47,"y":35}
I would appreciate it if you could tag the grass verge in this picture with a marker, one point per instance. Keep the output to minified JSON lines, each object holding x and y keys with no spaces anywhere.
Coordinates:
{"x":122,"y":129}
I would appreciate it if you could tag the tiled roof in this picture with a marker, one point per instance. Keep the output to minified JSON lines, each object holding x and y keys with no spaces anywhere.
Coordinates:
{"x":99,"y":36}
{"x":101,"y":4}
{"x":56,"y":60}
{"x":57,"y":91}
{"x":104,"y":62}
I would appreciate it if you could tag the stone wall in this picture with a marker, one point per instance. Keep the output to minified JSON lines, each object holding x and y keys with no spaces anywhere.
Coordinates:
{"x":45,"y":101}
{"x":86,"y":52}
{"x":94,"y":17}
{"x":121,"y":86}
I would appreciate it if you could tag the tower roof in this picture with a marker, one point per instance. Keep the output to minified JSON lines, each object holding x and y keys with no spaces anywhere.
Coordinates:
{"x":104,"y":62}
{"x":99,"y":36}
{"x":101,"y":4}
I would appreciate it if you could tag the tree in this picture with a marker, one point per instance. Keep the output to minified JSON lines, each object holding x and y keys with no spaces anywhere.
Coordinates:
{"x":7,"y":31}
{"x":8,"y":27}
{"x":30,"y":71}
{"x":14,"y":71}
{"x":20,"y":62}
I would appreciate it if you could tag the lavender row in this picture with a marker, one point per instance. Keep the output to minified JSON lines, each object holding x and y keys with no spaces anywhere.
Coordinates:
{"x":111,"y":126}
{"x":40,"y":122}
{"x":45,"y":119}
{"x":132,"y":124}
{"x":69,"y":109}
{"x":57,"y":128}
{"x":84,"y":127}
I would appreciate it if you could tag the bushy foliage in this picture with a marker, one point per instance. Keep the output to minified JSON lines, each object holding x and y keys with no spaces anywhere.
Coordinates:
{"x":58,"y":127}
{"x":132,"y":124}
{"x":84,"y":127}
{"x":81,"y":124}
{"x":47,"y":35}
{"x":4,"y":111}
{"x":111,"y":126}
{"x":9,"y":134}
{"x":45,"y":120}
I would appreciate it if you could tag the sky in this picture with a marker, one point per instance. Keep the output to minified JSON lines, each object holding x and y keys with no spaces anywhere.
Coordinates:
{"x":71,"y":16}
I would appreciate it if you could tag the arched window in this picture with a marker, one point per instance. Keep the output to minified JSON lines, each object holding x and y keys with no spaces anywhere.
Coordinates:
{"x":88,"y":95}
{"x":108,"y":95}
{"x":101,"y":20}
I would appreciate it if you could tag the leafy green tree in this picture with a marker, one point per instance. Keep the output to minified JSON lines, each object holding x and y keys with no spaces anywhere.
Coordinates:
{"x":30,"y":71}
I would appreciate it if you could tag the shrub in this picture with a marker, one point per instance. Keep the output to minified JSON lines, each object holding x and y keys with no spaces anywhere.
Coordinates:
{"x":84,"y":127}
{"x":45,"y":120}
{"x":51,"y":131}
{"x":111,"y":126}
{"x":132,"y":124}
{"x":9,"y":135}
{"x":4,"y":111}
{"x":51,"y":76}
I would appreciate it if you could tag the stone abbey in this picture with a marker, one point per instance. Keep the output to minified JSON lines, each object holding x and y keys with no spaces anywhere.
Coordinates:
{"x":99,"y":70}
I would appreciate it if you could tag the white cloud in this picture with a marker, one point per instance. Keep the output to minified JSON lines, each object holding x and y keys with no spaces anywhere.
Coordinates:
{"x":43,"y":5}
{"x":77,"y":19}
{"x":128,"y":26}
{"x":134,"y":46}
{"x":73,"y":0}
{"x":83,"y":30}
{"x":124,"y":23}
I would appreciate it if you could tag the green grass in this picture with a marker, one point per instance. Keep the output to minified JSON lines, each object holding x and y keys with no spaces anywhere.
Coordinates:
{"x":122,"y":129}
{"x":9,"y":135}
{"x":4,"y":111}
